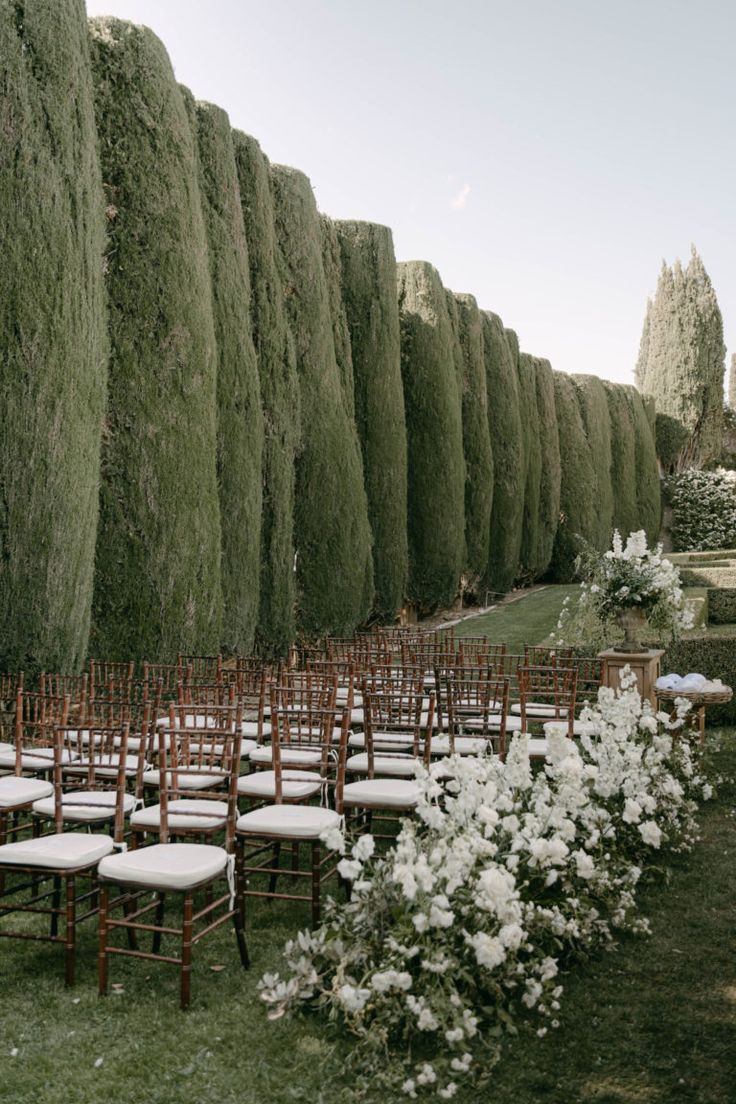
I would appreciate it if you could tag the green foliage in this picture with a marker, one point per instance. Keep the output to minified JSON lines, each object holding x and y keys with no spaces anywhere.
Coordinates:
{"x":331,"y":262}
{"x":157,"y":586}
{"x":280,"y":398}
{"x":722,"y":605}
{"x":703,"y":510}
{"x":623,"y":461}
{"x":436,"y":468}
{"x":239,"y":417}
{"x":368,"y":271}
{"x":548,"y":515}
{"x":713,"y":655}
{"x":530,"y":567}
{"x":641,"y":361}
{"x":681,"y":361}
{"x":648,"y":493}
{"x":476,"y":439}
{"x":509,"y":476}
{"x":53,"y":345}
{"x":578,"y":507}
{"x":332,"y":534}
{"x":672,"y":437}
{"x":591,"y":395}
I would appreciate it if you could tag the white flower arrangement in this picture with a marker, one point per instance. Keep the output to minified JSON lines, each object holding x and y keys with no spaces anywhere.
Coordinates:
{"x":459,"y":931}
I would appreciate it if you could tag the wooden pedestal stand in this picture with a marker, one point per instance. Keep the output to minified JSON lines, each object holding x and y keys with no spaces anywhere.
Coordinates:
{"x":645,"y":665}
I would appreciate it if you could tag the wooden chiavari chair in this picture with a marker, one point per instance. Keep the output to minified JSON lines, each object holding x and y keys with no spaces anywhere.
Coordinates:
{"x":472,"y":696}
{"x":102,"y":670}
{"x":9,"y":687}
{"x":547,"y":694}
{"x":478,"y":649}
{"x":303,"y":695}
{"x":589,"y":680}
{"x":75,"y":687}
{"x":172,"y":867}
{"x":261,"y":832}
{"x":169,"y":675}
{"x":204,"y":669}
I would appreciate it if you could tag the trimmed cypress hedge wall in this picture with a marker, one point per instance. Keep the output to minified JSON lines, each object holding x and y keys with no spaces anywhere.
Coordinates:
{"x":623,"y":461}
{"x":577,"y":482}
{"x":332,"y":534}
{"x":368,"y":269}
{"x":550,"y":477}
{"x":157,"y":586}
{"x":476,"y":441}
{"x":509,"y":476}
{"x":280,"y":398}
{"x":530,"y":566}
{"x":436,"y":479}
{"x":53,"y":345}
{"x":239,"y":417}
{"x":591,"y":395}
{"x":332,"y":264}
{"x":648,"y":487}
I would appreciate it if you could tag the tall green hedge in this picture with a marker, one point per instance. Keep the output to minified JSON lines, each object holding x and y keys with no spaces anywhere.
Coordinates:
{"x":332,"y":264}
{"x":578,"y":491}
{"x":476,"y":440}
{"x":648,"y":497}
{"x":368,"y":269}
{"x":53,"y":345}
{"x":280,"y":398}
{"x":550,"y":476}
{"x":593,"y":404}
{"x":529,"y":566}
{"x":509,"y":476}
{"x":332,"y":534}
{"x":623,"y":460}
{"x":157,"y":586}
{"x":436,"y":503}
{"x":239,"y":417}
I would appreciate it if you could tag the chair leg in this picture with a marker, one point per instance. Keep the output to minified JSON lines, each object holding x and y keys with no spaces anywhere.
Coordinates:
{"x":186,"y":951}
{"x":316,"y":882}
{"x":128,"y":908}
{"x":158,"y":921}
{"x":240,"y":936}
{"x":55,"y":906}
{"x":276,"y":862}
{"x":71,"y":907}
{"x":102,"y":945}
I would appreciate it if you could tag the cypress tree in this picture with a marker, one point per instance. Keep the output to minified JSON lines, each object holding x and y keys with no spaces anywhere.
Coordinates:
{"x":157,"y":586}
{"x":334,"y":561}
{"x":623,"y":460}
{"x":239,"y":417}
{"x":368,"y":271}
{"x":331,"y":262}
{"x":436,"y":467}
{"x":732,"y":383}
{"x":280,"y":398}
{"x":648,"y":499}
{"x":682,"y":358}
{"x":640,"y":369}
{"x":550,"y":476}
{"x":593,"y":402}
{"x":578,"y":505}
{"x":476,"y":440}
{"x":530,"y":567}
{"x":509,"y":476}
{"x":53,"y":345}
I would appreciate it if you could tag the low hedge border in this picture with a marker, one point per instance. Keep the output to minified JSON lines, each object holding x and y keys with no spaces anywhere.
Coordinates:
{"x":711,"y":655}
{"x":722,"y":605}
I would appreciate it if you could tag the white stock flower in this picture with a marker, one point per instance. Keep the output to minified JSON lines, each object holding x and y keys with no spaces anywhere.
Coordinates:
{"x":651,"y":833}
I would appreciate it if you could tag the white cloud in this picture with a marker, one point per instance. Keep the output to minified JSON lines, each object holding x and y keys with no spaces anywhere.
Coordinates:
{"x":461,"y":198}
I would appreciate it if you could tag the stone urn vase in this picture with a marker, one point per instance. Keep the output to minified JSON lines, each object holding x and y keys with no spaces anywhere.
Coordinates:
{"x":632,"y":621}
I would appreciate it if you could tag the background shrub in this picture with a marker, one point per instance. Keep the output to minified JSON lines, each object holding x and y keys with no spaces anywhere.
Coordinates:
{"x":53,"y":345}
{"x":703,"y":509}
{"x":578,"y":519}
{"x":722,"y":605}
{"x":713,"y":655}
{"x":332,"y":534}
{"x":239,"y":417}
{"x":550,"y":476}
{"x":530,"y":568}
{"x":591,"y":396}
{"x":436,"y":468}
{"x":623,"y":460}
{"x":157,"y":586}
{"x":648,"y":493}
{"x":368,"y":269}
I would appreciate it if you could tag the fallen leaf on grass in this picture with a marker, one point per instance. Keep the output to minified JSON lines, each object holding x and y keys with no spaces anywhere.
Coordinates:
{"x":216,"y":969}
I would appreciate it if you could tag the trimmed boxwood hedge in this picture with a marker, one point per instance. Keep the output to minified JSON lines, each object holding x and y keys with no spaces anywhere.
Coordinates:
{"x":280,"y":399}
{"x":331,"y":262}
{"x":648,"y":486}
{"x":529,"y":567}
{"x":505,"y":431}
{"x":578,"y":514}
{"x":722,"y":605}
{"x":549,"y":482}
{"x":157,"y":586}
{"x":239,"y":416}
{"x":332,"y":534}
{"x":713,"y":655}
{"x":623,"y":461}
{"x":476,"y":440}
{"x":436,"y":479}
{"x":368,"y":269}
{"x":593,"y":405}
{"x":53,"y":344}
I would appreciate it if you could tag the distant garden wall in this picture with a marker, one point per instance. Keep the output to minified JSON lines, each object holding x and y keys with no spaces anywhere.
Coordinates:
{"x":287,"y":432}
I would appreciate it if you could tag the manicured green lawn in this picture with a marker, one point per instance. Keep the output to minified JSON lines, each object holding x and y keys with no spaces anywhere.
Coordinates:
{"x":527,"y":620}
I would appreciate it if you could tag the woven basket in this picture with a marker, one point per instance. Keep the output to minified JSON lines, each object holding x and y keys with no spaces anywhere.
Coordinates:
{"x":697,"y":697}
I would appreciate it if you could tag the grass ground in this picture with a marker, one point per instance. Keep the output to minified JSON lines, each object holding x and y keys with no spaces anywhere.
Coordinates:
{"x":527,"y":620}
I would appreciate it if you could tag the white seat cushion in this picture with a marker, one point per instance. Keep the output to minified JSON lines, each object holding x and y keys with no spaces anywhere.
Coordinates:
{"x":464,"y":745}
{"x":176,"y":866}
{"x":538,"y":747}
{"x":246,"y":747}
{"x":39,"y":759}
{"x":106,"y":766}
{"x":63,"y":851}
{"x":289,"y":755}
{"x":22,"y":791}
{"x":295,"y":784}
{"x":250,"y":729}
{"x":186,"y":812}
{"x":289,"y":821}
{"x":538,"y":709}
{"x":513,"y":723}
{"x":383,"y":764}
{"x":188,"y":780}
{"x":85,"y":806}
{"x":4,"y":746}
{"x":382,"y":793}
{"x":389,"y":741}
{"x":579,"y":728}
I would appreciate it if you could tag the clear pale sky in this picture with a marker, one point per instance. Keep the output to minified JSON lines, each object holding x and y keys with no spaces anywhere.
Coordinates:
{"x":544,"y":155}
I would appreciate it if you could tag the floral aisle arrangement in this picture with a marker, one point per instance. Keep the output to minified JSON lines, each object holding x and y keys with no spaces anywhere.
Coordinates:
{"x":628,"y":577}
{"x":459,"y":931}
